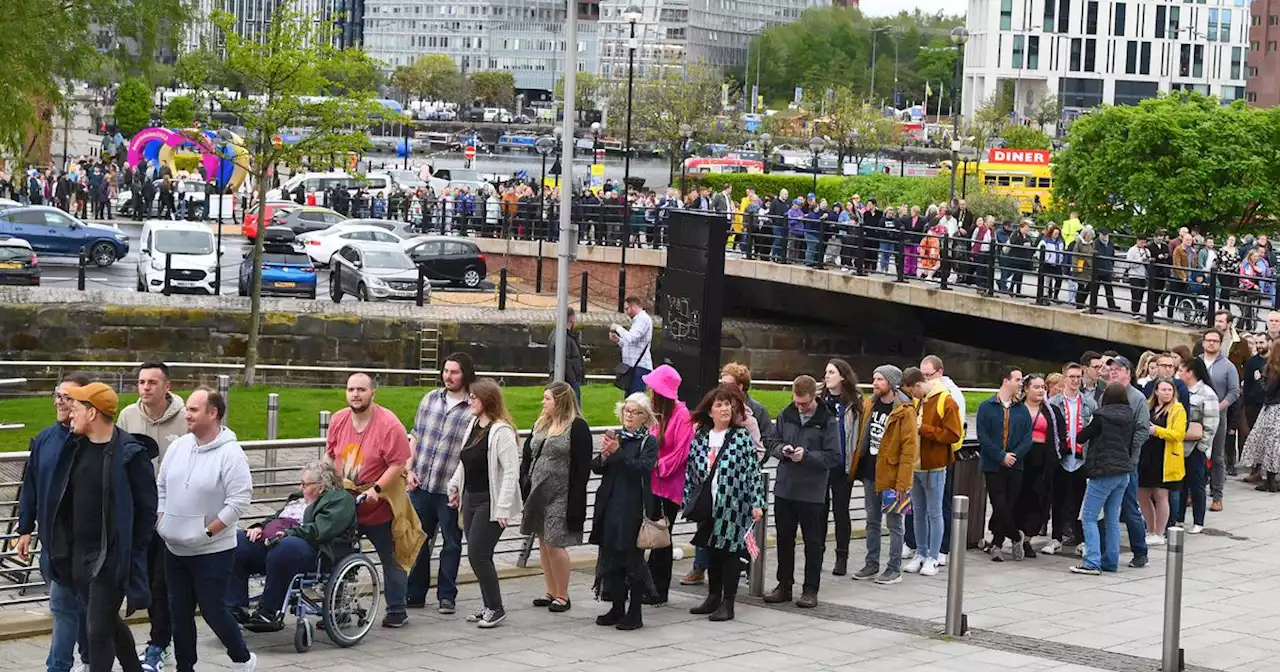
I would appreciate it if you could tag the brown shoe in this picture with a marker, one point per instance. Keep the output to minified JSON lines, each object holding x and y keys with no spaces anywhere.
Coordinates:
{"x":694,"y":577}
{"x":1253,"y":478}
{"x":778,"y":595}
{"x":808,"y":600}
{"x":1216,"y":505}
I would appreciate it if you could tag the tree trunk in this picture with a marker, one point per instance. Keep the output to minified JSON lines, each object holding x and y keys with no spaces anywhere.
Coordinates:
{"x":255,"y":277}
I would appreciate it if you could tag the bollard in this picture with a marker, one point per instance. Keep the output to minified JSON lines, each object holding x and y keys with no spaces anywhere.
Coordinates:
{"x":957,"y":623}
{"x":538,"y":270}
{"x":422,"y":284}
{"x":1171,"y":659}
{"x":224,"y":388}
{"x":324,"y":427}
{"x":168,"y":267}
{"x":760,"y":530}
{"x":273,"y":433}
{"x":80,"y":271}
{"x":335,"y":279}
{"x":502,"y":289}
{"x":622,"y":288}
{"x":582,"y":299}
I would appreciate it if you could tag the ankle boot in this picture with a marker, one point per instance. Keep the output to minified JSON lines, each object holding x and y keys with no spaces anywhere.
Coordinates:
{"x":708,"y":605}
{"x":725,"y":612}
{"x":1255,"y":476}
{"x":614,"y":615}
{"x":842,"y":564}
{"x":633,"y":619}
{"x":1268,"y":484}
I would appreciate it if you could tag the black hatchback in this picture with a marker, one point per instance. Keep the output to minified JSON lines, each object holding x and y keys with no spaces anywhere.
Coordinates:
{"x":18,"y":263}
{"x":447,"y":260}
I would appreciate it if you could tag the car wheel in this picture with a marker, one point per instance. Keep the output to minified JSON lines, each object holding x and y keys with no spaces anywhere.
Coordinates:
{"x":363,"y":293}
{"x":472,"y":277}
{"x":334,"y":292}
{"x":103,"y":254}
{"x":312,"y":295}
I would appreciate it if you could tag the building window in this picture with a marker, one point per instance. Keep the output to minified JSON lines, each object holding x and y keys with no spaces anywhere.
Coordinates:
{"x":1237,"y":57}
{"x":1160,"y":19}
{"x":1033,"y":52}
{"x":1213,"y":25}
{"x":1006,"y":14}
{"x":1144,"y":61}
{"x":1048,"y":16}
{"x":1091,"y":18}
{"x":1251,"y":97}
{"x":1119,"y":23}
{"x":1184,"y":63}
{"x":1224,"y":33}
{"x":1077,"y":46}
{"x":1271,"y":46}
{"x":1197,"y":69}
{"x":1090,"y":49}
{"x":1131,"y":58}
{"x":1175,"y":14}
{"x":1064,"y":15}
{"x":1273,"y":20}
{"x":1254,"y":45}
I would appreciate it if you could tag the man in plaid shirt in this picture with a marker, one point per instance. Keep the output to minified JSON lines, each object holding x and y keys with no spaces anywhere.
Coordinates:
{"x":439,"y":430}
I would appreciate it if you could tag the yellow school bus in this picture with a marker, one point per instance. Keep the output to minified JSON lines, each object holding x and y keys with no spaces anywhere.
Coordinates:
{"x":1024,"y":174}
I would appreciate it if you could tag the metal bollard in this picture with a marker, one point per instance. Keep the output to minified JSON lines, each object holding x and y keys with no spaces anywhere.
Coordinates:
{"x":422,"y":283}
{"x":324,"y":429}
{"x":224,"y":388}
{"x":273,"y":433}
{"x":502,"y":289}
{"x":80,"y":271}
{"x":168,"y":271}
{"x":582,"y":298}
{"x":760,"y":530}
{"x":957,"y":623}
{"x":1171,"y":660}
{"x":538,"y":269}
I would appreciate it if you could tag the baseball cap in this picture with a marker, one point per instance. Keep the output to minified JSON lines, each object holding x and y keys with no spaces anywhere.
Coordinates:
{"x":97,"y":395}
{"x":1120,"y":360}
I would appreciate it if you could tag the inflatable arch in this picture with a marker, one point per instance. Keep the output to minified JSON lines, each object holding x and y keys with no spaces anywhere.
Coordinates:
{"x":225,"y":162}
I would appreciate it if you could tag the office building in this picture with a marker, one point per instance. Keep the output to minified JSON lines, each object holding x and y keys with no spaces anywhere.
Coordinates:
{"x":1263,"y":68}
{"x":253,"y":19}
{"x":1091,"y":52}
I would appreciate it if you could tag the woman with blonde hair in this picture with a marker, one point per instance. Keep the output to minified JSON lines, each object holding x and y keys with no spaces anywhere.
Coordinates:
{"x":484,"y":487}
{"x":624,"y":464}
{"x":554,"y":471}
{"x":1161,"y":465}
{"x":1147,"y":370}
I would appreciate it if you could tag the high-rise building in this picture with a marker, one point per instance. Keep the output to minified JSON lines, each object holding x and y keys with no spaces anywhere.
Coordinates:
{"x":253,"y":18}
{"x":524,"y":37}
{"x":1263,"y":67}
{"x":1091,"y":52}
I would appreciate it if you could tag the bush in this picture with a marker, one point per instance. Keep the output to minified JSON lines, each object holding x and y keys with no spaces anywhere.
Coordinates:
{"x":886,"y":189}
{"x":132,"y":112}
{"x":180,"y":113}
{"x":187,"y":162}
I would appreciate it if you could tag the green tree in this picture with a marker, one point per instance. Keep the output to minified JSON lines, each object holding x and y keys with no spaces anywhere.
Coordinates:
{"x":666,"y":100}
{"x":856,"y":130}
{"x":133,"y":106}
{"x":279,"y":74}
{"x":985,"y":125}
{"x":180,"y":112}
{"x":430,"y":77}
{"x":494,"y":88}
{"x":356,"y":71}
{"x":1025,"y":137}
{"x":1047,"y":111}
{"x":588,"y":89}
{"x":1178,"y":160}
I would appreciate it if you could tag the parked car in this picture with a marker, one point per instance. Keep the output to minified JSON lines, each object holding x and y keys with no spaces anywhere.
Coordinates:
{"x":406,"y":179}
{"x":374,"y":272}
{"x":320,"y":246}
{"x":312,"y":183}
{"x":447,"y":260}
{"x":18,"y":263}
{"x":192,"y":255}
{"x":307,"y":218}
{"x":250,"y":226}
{"x":6,"y":203}
{"x":52,"y":232}
{"x":285,"y":270}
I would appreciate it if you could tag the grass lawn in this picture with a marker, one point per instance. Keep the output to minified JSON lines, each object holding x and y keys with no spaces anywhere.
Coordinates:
{"x":300,"y":408}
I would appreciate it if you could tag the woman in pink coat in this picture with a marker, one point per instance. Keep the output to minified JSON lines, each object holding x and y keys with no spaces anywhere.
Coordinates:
{"x":675,"y":432}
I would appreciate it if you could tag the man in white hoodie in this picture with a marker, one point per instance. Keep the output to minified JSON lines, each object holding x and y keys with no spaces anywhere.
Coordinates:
{"x":204,"y":487}
{"x":158,"y":413}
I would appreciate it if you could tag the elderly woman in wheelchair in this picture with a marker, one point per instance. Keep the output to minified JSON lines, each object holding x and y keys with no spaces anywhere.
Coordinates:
{"x":309,"y":546}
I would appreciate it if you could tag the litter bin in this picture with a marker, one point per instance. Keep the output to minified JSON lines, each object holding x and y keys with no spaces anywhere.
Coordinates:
{"x":970,"y":482}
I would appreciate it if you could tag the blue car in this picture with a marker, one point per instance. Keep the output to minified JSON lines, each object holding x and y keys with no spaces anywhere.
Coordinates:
{"x":284,"y":273}
{"x":52,"y":232}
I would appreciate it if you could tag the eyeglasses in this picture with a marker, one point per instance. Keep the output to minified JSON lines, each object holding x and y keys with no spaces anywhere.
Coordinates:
{"x":306,"y":483}
{"x":632,"y":411}
{"x":60,"y":398}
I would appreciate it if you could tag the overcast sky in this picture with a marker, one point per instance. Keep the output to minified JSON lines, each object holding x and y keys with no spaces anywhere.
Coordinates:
{"x":887,"y":7}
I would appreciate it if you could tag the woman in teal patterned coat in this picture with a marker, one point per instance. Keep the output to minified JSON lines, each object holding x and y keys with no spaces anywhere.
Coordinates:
{"x":723,"y":493}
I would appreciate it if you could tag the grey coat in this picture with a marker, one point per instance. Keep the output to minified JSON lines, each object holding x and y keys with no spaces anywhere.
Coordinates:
{"x":1141,"y":424}
{"x":575,"y":365}
{"x":806,"y":480}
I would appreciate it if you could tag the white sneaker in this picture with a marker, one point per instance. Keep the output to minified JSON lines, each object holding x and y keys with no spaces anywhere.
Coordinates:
{"x":1052,"y":548}
{"x":942,"y":559}
{"x":247,"y":666}
{"x":908,"y":552}
{"x":929,"y":568}
{"x":913,"y":565}
{"x":1080,"y":550}
{"x":1155,"y":540}
{"x":1195,"y":529}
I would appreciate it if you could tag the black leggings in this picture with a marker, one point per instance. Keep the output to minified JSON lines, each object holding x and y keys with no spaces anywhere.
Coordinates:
{"x":838,"y":492}
{"x":723,"y":573}
{"x":482,"y":537}
{"x":660,"y":558}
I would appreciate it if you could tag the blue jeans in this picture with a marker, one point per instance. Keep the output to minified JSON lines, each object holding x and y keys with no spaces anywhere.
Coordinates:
{"x":874,"y":516}
{"x":393,"y":576}
{"x":280,"y":563}
{"x":811,"y":240}
{"x":69,"y":628}
{"x":1192,"y":489}
{"x":886,"y":253}
{"x":926,"y":507}
{"x":637,"y":380}
{"x":701,"y":558}
{"x":779,"y":243}
{"x":201,"y":580}
{"x":1103,"y":495}
{"x":434,"y":512}
{"x":577,"y":392}
{"x":1134,"y":522}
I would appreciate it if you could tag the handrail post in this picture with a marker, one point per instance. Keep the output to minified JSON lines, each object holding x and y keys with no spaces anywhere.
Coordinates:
{"x":1040,"y":279}
{"x":944,"y":261}
{"x":273,"y":433}
{"x":224,"y":388}
{"x":1213,"y":295}
{"x":1153,"y":299}
{"x":957,"y":623}
{"x":324,"y":429}
{"x":1171,"y":658}
{"x":901,"y":262}
{"x":582,"y":299}
{"x":1094,"y":289}
{"x":760,"y":531}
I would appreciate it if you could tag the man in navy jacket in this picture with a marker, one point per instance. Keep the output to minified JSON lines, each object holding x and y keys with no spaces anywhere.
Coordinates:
{"x":1004,"y":439}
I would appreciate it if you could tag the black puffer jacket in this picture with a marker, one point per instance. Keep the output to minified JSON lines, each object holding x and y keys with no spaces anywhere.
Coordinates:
{"x":1110,"y":437}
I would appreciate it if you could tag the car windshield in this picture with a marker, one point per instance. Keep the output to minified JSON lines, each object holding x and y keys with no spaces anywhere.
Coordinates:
{"x":14,"y":253}
{"x":184,"y":242}
{"x":286,"y":258}
{"x":405,"y":177}
{"x":464,"y":176}
{"x":387,"y":259}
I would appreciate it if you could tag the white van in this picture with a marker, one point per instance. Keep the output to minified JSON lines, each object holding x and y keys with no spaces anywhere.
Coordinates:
{"x":191,"y":250}
{"x":312,"y":183}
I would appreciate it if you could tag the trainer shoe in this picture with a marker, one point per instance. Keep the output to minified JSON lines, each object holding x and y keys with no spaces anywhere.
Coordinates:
{"x":448,"y":607}
{"x":866,"y":573}
{"x":395,"y":620}
{"x":942,"y":559}
{"x":1081,"y":569}
{"x":1052,"y":547}
{"x":929,"y":568}
{"x":908,"y":552}
{"x":1155,"y":540}
{"x":247,"y":666}
{"x":152,"y":659}
{"x":1195,"y":529}
{"x":890,"y":577}
{"x":913,"y":565}
{"x":475,"y":618}
{"x":492,"y":618}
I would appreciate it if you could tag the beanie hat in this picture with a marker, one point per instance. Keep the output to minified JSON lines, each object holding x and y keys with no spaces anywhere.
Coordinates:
{"x":890,"y":373}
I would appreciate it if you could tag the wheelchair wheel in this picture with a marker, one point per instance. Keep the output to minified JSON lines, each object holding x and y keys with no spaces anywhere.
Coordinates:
{"x":1190,"y":311}
{"x":303,"y":636}
{"x":351,"y":600}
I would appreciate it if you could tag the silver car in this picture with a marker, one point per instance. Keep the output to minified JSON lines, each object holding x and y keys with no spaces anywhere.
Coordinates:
{"x":375,"y":272}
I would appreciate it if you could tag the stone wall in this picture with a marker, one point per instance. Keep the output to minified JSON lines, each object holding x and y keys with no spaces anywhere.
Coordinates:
{"x":602,"y":272}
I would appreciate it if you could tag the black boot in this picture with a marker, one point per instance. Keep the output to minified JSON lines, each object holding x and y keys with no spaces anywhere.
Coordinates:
{"x":708,"y":605}
{"x":614,"y":616}
{"x":842,"y":564}
{"x":715,"y":591}
{"x":1268,"y":484}
{"x":633,"y":620}
{"x":725,"y":612}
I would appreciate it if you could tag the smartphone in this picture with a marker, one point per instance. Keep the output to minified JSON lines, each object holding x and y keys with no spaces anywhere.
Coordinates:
{"x":787,"y":450}
{"x":610,"y":434}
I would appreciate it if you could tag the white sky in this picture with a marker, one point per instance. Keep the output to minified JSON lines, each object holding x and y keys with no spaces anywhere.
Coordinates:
{"x":892,"y":7}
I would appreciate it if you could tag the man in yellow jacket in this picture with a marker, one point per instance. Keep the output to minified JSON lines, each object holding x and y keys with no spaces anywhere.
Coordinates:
{"x":938,"y":417}
{"x":1071,"y":228}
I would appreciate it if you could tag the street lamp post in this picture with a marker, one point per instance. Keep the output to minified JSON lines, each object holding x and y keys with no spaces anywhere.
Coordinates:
{"x":545,"y":145}
{"x":958,"y":37}
{"x":766,"y":148}
{"x":875,"y":40}
{"x":632,"y":15}
{"x":816,"y":143}
{"x":224,"y":136}
{"x":557,"y":132}
{"x":686,"y":132}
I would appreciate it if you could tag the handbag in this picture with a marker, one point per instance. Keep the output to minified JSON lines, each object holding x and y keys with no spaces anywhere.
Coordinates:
{"x":698,"y":509}
{"x":653,"y":533}
{"x":622,"y":373}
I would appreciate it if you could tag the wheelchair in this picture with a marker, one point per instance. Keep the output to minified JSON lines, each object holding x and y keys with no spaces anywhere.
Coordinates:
{"x":345,"y":598}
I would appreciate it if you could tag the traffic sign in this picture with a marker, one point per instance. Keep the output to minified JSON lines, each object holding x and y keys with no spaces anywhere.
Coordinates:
{"x":469,"y":152}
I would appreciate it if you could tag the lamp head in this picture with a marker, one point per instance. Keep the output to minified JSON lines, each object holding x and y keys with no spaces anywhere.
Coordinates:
{"x":632,"y":14}
{"x":686,"y":130}
{"x":959,"y":35}
{"x":816,"y":143}
{"x":766,"y":139}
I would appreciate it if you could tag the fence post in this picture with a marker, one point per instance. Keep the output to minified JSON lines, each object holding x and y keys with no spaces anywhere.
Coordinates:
{"x":1094,"y":289}
{"x":957,"y":623}
{"x":1040,"y":279}
{"x":538,"y":270}
{"x":761,"y":532}
{"x":1153,"y":298}
{"x":944,"y":261}
{"x":168,"y":264}
{"x":422,"y":284}
{"x":901,"y":262}
{"x":582,"y":300}
{"x":502,"y":289}
{"x":860,"y":251}
{"x":324,"y":427}
{"x":80,"y":271}
{"x":273,"y":433}
{"x":1171,"y":660}
{"x":749,"y":224}
{"x":1213,"y":295}
{"x":224,"y":388}
{"x":991,"y":268}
